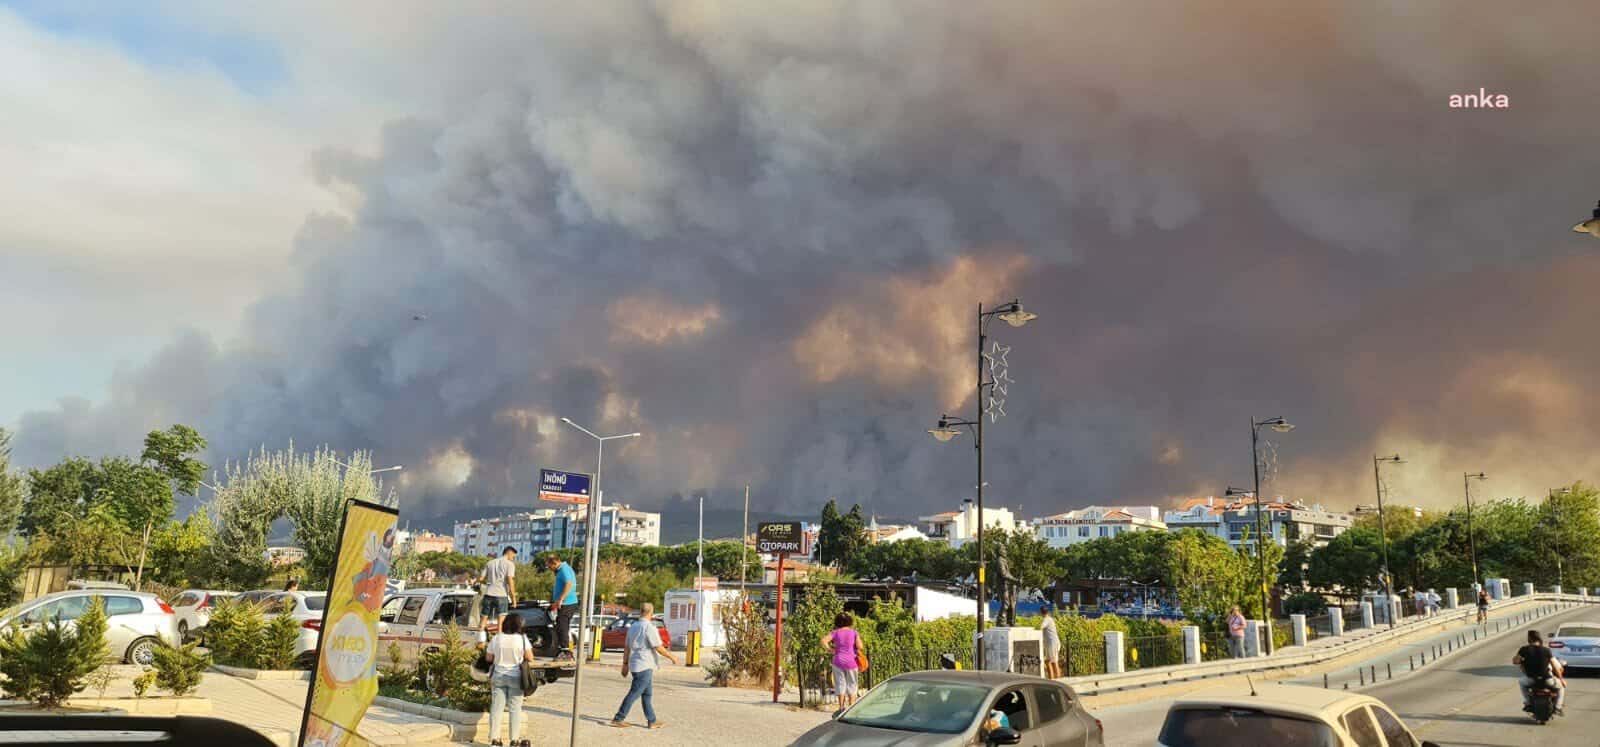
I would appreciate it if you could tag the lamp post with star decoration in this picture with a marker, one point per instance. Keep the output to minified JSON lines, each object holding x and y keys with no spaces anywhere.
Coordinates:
{"x":996,"y":381}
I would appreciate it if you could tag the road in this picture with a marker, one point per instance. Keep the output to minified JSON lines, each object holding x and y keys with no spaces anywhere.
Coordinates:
{"x":1468,"y":699}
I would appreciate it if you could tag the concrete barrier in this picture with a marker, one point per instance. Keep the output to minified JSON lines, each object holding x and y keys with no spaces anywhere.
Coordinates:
{"x":1252,"y":638}
{"x":1527,"y":589}
{"x":1191,"y":644}
{"x":1451,"y":601}
{"x":1336,"y":621}
{"x":1366,"y":614}
{"x":1555,"y":589}
{"x":1297,"y":628}
{"x":1113,"y":651}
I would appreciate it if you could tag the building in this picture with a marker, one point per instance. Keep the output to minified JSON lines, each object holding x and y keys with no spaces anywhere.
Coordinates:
{"x":1095,"y":522}
{"x":960,"y":527}
{"x":281,"y":556}
{"x":891,"y":532}
{"x":1235,"y":520}
{"x":421,"y":542}
{"x":551,"y":529}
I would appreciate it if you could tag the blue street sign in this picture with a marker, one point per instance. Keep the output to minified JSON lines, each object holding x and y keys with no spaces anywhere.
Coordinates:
{"x":564,"y":487}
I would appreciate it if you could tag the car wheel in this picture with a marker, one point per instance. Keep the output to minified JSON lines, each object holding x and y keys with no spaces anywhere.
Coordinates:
{"x":305,"y":660}
{"x":142,"y":652}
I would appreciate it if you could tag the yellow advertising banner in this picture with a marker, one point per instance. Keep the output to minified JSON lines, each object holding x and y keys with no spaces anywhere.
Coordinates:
{"x":346,"y":674}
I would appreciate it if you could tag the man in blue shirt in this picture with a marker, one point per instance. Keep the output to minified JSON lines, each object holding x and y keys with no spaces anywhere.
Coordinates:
{"x":639,"y":660}
{"x":563,"y":598}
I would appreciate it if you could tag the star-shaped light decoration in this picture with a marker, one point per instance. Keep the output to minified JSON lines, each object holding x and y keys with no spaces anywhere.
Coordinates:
{"x":997,"y":357}
{"x":996,"y":409}
{"x":1001,"y":380}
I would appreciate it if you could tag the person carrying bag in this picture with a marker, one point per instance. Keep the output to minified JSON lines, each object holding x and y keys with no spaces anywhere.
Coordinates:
{"x":510,"y":678}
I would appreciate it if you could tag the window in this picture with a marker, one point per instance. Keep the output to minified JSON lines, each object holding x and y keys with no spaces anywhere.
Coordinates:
{"x":187,"y":599}
{"x":1051,"y":703}
{"x":1361,"y":728}
{"x":1393,"y":731}
{"x":411,"y":611}
{"x":1204,"y":727}
{"x":123,"y":606}
{"x":1105,"y":531}
{"x":61,"y":609}
{"x":315,"y":602}
{"x":1015,"y":706}
{"x":391,"y":609}
{"x":1083,"y":531}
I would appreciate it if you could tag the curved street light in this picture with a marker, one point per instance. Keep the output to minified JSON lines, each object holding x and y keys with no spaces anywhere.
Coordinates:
{"x":1590,"y":226}
{"x":1279,"y":425}
{"x":1383,"y":535}
{"x":1014,"y":314}
{"x":1472,"y":546}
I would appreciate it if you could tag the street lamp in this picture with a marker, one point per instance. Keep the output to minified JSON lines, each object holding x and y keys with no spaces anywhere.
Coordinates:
{"x":1383,"y":535}
{"x":591,"y":557}
{"x":1592,"y":225}
{"x":1013,"y":314}
{"x":395,"y":468}
{"x":1278,"y":425}
{"x":1472,"y":545}
{"x":1555,"y":519}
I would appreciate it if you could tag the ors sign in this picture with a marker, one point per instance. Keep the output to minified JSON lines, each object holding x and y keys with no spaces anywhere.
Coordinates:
{"x":564,"y":487}
{"x":780,"y":537}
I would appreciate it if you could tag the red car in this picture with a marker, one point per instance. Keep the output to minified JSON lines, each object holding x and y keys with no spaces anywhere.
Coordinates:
{"x":615,"y":636}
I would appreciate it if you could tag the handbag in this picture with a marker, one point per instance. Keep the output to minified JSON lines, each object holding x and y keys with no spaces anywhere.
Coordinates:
{"x":861,"y":658}
{"x":530,"y":680}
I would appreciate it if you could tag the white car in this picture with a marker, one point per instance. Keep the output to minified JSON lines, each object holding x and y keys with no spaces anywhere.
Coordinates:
{"x":193,"y":608}
{"x":306,"y":607}
{"x":1284,"y":716}
{"x":1576,"y":644}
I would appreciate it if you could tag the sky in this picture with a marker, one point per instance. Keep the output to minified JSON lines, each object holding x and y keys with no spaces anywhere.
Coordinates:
{"x":758,"y":235}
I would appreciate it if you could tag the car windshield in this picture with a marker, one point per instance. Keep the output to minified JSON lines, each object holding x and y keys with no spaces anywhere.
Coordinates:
{"x":1201,"y":727}
{"x":316,"y":602}
{"x":1578,"y":631}
{"x":918,"y":705}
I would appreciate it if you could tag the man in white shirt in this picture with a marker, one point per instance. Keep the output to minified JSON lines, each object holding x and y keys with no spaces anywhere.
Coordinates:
{"x":499,"y":586}
{"x":1051,"y":640}
{"x":639,"y":659}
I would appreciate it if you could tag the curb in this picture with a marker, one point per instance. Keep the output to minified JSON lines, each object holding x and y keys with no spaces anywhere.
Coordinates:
{"x":262,"y":674}
{"x":1451,"y":653}
{"x":458,"y":725}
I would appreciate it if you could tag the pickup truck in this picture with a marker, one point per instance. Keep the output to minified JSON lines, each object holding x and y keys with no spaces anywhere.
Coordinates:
{"x":416,"y":621}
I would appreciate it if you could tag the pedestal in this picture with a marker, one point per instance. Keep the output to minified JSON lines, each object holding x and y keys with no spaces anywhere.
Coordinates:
{"x":1016,"y":650}
{"x":1366,"y":615}
{"x":1252,"y":637}
{"x":1336,"y":621}
{"x":1297,"y":626}
{"x":1113,"y":640}
{"x":1191,"y":644}
{"x":1450,"y":599}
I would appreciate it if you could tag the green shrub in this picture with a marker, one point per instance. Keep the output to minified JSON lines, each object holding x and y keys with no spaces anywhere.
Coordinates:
{"x":747,"y":654}
{"x":178,"y":670}
{"x":395,"y":674}
{"x":446,"y":669}
{"x":277,"y":647}
{"x":50,"y":664}
{"x":1305,"y":603}
{"x":236,"y":633}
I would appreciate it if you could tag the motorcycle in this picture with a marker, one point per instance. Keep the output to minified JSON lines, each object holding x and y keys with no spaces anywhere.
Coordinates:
{"x":1543,"y":702}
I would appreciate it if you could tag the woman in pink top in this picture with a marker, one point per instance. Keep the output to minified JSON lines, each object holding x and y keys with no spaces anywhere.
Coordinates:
{"x":844,"y":642}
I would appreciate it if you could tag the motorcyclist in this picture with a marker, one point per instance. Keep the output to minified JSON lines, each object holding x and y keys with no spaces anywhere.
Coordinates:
{"x":1539,"y":666}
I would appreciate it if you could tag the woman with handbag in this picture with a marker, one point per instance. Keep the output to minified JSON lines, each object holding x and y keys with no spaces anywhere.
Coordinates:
{"x":849,"y":658}
{"x":509,"y":655}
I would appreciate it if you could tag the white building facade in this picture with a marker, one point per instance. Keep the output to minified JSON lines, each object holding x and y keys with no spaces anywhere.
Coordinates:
{"x":1096,"y":522}
{"x":550,"y":529}
{"x":960,"y":527}
{"x":1235,"y":521}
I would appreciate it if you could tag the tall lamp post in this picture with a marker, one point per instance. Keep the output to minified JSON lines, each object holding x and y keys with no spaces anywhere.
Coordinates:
{"x":1592,"y":225}
{"x":1555,"y":520}
{"x":1472,"y":545}
{"x":1013,"y":314}
{"x":1279,"y":425}
{"x":591,"y":558}
{"x":1383,"y":534}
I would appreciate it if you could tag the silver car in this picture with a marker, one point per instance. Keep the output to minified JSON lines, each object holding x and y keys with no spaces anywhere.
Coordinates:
{"x":1576,"y":644}
{"x":946,"y":708}
{"x":135,"y":621}
{"x":306,"y":608}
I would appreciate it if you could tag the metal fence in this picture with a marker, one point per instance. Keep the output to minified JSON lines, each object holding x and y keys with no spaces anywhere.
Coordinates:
{"x":1080,"y":657}
{"x":811,"y":671}
{"x":1214,"y":647}
{"x":1152,"y":651}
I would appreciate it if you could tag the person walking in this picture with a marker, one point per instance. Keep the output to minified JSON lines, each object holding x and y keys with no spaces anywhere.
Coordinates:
{"x":1236,"y":633}
{"x":563,"y":598}
{"x":499,"y":586}
{"x":292,"y":585}
{"x":640,"y":659}
{"x":1483,"y":606}
{"x":1051,"y":642}
{"x":845,"y":645}
{"x":506,"y":652}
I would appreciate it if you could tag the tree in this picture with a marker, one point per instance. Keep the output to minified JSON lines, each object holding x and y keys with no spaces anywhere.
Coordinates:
{"x":920,"y":558}
{"x":1348,"y":564}
{"x":178,"y":551}
{"x":652,"y":586}
{"x":1569,"y":522}
{"x":1294,"y":568}
{"x":1208,"y":576}
{"x":1032,"y":561}
{"x":839,"y":537}
{"x":169,"y":453}
{"x":12,"y":488}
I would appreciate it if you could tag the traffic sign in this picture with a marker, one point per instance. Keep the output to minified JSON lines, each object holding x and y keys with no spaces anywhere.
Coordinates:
{"x":558,"y":486}
{"x":705,"y":583}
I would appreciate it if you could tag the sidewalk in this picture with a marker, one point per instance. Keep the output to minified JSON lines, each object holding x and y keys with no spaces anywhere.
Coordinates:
{"x":1400,"y":660}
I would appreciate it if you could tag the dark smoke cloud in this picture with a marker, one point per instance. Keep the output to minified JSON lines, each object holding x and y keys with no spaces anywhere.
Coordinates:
{"x":757,"y":234}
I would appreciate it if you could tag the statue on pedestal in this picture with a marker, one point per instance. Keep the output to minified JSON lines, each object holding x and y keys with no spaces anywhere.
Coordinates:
{"x":1008,"y":589}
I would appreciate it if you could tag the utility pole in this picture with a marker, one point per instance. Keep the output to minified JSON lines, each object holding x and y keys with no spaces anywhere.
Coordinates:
{"x":700,"y":543}
{"x":744,"y":540}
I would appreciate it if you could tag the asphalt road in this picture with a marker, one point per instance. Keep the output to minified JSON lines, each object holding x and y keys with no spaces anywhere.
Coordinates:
{"x":1469,"y":699}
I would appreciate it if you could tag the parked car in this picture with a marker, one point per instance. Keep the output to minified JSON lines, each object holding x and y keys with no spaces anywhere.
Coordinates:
{"x":1576,"y":644}
{"x":193,"y":608}
{"x":136,"y":622}
{"x":256,"y":596}
{"x":942,"y":707}
{"x":415,"y":621}
{"x":1283,"y":715}
{"x":615,"y":636}
{"x":305,"y":607}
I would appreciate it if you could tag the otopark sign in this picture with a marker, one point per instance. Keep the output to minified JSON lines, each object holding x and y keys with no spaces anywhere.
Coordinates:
{"x":780,"y":537}
{"x":559,"y":486}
